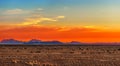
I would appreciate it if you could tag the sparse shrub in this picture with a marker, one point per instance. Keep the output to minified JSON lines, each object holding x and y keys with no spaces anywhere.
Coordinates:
{"x":119,"y":49}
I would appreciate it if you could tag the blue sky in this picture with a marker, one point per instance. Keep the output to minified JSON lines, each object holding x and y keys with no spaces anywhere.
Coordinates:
{"x":50,"y":3}
{"x":78,"y":12}
{"x":66,"y":20}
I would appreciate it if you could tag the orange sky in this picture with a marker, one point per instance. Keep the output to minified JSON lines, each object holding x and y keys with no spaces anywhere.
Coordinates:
{"x":62,"y":34}
{"x":63,"y":20}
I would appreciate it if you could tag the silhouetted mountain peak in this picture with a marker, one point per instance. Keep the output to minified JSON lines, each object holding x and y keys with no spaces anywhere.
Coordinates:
{"x":75,"y":42}
{"x":34,"y":40}
{"x":11,"y":41}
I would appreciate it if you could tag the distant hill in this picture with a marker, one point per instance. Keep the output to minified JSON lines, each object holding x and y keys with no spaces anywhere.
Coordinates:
{"x":33,"y":41}
{"x":11,"y":41}
{"x":39,"y":42}
{"x":74,"y":42}
{"x":52,"y":42}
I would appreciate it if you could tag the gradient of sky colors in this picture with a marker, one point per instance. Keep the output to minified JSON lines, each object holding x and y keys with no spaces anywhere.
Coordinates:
{"x":63,"y":20}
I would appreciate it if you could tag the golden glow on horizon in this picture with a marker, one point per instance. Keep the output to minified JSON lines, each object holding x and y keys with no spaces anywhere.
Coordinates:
{"x":88,"y":34}
{"x":64,"y":20}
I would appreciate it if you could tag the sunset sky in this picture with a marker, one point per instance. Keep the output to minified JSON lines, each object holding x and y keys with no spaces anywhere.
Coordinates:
{"x":63,"y":20}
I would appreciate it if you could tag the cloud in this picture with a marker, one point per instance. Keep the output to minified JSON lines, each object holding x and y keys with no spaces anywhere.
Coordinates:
{"x":15,"y":11}
{"x":36,"y":19}
{"x":29,"y":18}
{"x":60,"y":17}
{"x":37,"y":11}
{"x":40,"y":9}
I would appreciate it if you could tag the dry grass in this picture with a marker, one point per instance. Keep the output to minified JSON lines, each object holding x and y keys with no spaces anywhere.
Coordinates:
{"x":61,"y":55}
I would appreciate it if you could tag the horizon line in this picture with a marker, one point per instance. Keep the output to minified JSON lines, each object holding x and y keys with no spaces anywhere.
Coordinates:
{"x":59,"y":41}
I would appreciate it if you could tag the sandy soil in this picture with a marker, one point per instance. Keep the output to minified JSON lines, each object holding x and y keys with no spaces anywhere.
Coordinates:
{"x":59,"y":55}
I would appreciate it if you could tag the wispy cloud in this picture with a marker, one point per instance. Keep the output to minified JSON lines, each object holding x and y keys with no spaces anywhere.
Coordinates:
{"x":32,"y":17}
{"x":40,"y":9}
{"x":15,"y":11}
{"x":60,"y":17}
{"x":36,"y":19}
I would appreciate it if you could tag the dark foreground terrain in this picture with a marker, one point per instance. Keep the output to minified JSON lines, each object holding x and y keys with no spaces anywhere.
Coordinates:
{"x":59,"y":55}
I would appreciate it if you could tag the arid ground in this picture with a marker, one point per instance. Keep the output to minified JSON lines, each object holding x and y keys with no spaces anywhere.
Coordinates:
{"x":59,"y":55}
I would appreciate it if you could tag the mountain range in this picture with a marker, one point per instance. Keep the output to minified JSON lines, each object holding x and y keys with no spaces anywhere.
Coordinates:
{"x":35,"y":41}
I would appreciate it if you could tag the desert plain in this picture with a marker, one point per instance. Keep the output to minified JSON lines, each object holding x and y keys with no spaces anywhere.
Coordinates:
{"x":59,"y":55}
